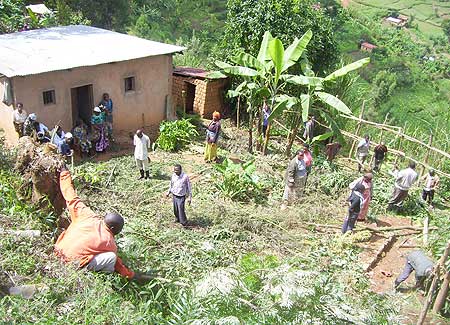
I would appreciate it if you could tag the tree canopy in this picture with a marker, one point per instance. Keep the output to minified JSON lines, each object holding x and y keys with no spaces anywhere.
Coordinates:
{"x":247,"y":20}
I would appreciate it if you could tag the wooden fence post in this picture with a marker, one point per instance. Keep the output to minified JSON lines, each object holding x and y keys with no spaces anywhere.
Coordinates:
{"x":238,"y":113}
{"x":442,"y":294}
{"x":427,"y":154}
{"x":426,"y":305}
{"x":358,"y":127}
{"x":400,"y":134}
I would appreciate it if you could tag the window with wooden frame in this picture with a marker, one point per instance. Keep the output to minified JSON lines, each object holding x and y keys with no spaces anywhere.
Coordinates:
{"x":49,"y":97}
{"x":130,"y":84}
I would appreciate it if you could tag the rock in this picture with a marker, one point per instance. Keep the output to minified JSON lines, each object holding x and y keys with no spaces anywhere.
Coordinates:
{"x":26,"y":291}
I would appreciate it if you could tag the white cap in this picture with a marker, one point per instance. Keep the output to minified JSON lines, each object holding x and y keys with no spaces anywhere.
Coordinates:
{"x":68,"y":135}
{"x":97,"y":109}
{"x":33,"y":116}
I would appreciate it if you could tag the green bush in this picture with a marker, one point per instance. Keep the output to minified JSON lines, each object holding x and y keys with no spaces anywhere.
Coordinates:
{"x":174,"y":135}
{"x":239,"y":181}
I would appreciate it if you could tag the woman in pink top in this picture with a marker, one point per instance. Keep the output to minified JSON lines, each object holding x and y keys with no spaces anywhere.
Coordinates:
{"x":366,"y":181}
{"x":307,"y":157}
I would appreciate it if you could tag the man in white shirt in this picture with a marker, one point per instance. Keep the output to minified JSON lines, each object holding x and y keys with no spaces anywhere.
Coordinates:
{"x":141,"y":146}
{"x":431,"y":183}
{"x":180,"y":188}
{"x":362,"y":151}
{"x":404,"y":179}
{"x":19,"y":117}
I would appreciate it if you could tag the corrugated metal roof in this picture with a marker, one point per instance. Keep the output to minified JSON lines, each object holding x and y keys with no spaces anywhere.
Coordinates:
{"x":59,"y":48}
{"x":191,"y":72}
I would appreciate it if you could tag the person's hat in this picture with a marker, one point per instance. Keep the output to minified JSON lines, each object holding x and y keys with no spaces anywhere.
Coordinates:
{"x":33,"y":116}
{"x":97,"y":109}
{"x":68,"y":135}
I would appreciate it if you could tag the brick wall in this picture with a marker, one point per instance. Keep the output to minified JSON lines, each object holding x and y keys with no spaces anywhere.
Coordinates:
{"x":208,"y":94}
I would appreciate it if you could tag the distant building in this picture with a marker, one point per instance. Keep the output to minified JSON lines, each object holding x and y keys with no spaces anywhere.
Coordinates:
{"x":193,"y":91}
{"x":61,"y":73}
{"x":400,"y":21}
{"x":368,"y":47}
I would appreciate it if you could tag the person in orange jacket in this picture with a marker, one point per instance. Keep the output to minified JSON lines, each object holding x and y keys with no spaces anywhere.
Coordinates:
{"x":89,"y":239}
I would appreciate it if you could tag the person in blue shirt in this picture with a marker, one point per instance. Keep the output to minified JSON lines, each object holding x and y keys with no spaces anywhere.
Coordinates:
{"x":107,"y":104}
{"x":64,"y":147}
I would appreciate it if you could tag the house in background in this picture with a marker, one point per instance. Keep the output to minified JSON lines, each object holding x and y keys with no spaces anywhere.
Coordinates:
{"x":368,"y":47}
{"x":399,"y":21}
{"x":193,"y":92}
{"x":61,"y":73}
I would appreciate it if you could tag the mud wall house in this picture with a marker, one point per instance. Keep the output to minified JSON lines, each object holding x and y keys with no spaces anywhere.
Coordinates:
{"x":61,"y":73}
{"x":368,"y":47}
{"x":195,"y":93}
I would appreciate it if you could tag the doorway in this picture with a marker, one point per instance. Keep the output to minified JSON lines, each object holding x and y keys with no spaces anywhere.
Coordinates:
{"x":190,"y":97}
{"x":82,"y":103}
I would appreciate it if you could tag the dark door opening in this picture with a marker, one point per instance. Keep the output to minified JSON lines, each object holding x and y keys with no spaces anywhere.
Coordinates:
{"x":190,"y":97}
{"x":82,"y":103}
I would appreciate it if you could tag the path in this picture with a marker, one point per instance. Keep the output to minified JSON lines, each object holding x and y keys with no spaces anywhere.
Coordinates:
{"x":392,"y":261}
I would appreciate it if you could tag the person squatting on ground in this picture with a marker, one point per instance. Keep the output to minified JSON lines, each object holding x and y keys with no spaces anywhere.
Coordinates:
{"x":180,"y":188}
{"x":19,"y":118}
{"x":366,"y":181}
{"x":212,"y":135}
{"x":431,"y":183}
{"x":362,"y":151}
{"x":419,"y":262}
{"x":356,"y":201}
{"x":141,"y":145}
{"x":65,"y":146}
{"x":379,"y":155}
{"x":404,"y":179}
{"x":89,"y":239}
{"x":81,"y":138}
{"x":295,"y":179}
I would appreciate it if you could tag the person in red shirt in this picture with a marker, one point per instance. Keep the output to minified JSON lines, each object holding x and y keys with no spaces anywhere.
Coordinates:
{"x":89,"y":239}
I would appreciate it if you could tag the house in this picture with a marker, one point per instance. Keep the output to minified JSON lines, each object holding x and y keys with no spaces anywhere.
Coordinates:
{"x":400,"y":21}
{"x":61,"y":73}
{"x":193,"y":92}
{"x":368,"y":47}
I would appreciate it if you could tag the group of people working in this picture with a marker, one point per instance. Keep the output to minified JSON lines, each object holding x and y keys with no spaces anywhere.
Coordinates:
{"x":89,"y":240}
{"x":83,"y":137}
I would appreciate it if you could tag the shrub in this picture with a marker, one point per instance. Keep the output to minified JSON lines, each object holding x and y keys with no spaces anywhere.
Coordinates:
{"x":238,"y":181}
{"x":174,"y":135}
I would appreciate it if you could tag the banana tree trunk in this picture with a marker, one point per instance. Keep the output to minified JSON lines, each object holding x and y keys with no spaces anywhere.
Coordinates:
{"x":259,"y":129}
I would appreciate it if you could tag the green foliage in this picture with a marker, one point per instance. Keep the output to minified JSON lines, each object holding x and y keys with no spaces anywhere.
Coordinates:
{"x":90,"y":174}
{"x":174,"y":135}
{"x":384,"y":85}
{"x":248,"y":20}
{"x":239,"y":181}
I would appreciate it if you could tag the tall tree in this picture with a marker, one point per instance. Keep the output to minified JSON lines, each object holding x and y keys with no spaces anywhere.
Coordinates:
{"x":247,"y":21}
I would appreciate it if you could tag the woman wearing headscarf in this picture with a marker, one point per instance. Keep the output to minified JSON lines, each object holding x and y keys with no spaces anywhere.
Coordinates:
{"x":107,"y":104}
{"x":99,"y":130}
{"x":81,"y":137}
{"x":212,"y":135}
{"x":365,"y":181}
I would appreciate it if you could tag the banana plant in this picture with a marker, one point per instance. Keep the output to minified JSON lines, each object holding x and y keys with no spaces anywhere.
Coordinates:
{"x":266,"y":72}
{"x":314,"y":87}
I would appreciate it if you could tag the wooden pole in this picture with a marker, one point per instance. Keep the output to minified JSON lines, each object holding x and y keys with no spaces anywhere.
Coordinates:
{"x":400,"y":135}
{"x":426,"y":305}
{"x":427,"y":154}
{"x":238,"y":113}
{"x":442,"y":294}
{"x":358,"y":127}
{"x":425,"y":231}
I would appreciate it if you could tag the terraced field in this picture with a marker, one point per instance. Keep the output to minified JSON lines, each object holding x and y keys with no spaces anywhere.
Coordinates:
{"x":428,"y":14}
